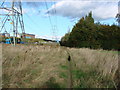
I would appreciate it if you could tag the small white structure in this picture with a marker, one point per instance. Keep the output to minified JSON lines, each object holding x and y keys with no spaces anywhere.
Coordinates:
{"x":4,"y":35}
{"x":19,"y":35}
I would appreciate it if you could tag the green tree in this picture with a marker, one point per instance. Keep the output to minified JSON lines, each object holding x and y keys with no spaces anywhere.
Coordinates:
{"x":88,"y":34}
{"x":64,"y":40}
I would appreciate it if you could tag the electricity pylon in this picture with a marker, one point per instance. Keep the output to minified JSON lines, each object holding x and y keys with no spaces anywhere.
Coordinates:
{"x":118,"y":15}
{"x":54,"y":33}
{"x":15,"y":15}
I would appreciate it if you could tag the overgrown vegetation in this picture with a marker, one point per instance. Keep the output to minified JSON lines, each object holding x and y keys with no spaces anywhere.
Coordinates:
{"x":47,"y":67}
{"x":94,"y":68}
{"x":25,"y":40}
{"x":88,"y":34}
{"x":32,"y":40}
{"x":2,"y":39}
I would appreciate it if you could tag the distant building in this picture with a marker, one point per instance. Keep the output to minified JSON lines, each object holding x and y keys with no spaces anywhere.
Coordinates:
{"x":19,"y":35}
{"x":29,"y":35}
{"x":26,"y":35}
{"x":4,"y":35}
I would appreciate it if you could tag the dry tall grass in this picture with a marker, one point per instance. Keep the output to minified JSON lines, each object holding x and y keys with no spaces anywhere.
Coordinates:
{"x":38,"y":66}
{"x":105,"y":61}
{"x":31,"y":66}
{"x":102,"y":62}
{"x":0,"y":66}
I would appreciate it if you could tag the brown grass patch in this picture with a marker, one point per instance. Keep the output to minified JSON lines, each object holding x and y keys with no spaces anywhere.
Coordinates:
{"x":34,"y":66}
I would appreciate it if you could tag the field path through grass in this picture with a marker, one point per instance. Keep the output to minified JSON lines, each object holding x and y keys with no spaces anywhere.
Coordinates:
{"x":58,"y":67}
{"x":70,"y":80}
{"x":71,"y":66}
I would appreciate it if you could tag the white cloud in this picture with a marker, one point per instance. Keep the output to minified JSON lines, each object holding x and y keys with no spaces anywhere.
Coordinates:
{"x":78,"y":9}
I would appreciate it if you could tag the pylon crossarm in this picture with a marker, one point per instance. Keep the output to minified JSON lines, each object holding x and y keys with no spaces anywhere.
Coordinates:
{"x":9,"y":9}
{"x":7,"y":14}
{"x":15,"y":16}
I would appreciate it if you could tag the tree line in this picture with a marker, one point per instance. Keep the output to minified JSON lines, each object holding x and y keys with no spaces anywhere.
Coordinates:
{"x":86,"y":33}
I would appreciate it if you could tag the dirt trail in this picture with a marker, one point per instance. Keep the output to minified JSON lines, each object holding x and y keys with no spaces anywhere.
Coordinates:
{"x":70,"y":79}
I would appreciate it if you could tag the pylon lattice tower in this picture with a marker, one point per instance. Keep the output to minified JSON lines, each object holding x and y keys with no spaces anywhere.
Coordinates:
{"x":54,"y":32}
{"x":15,"y":15}
{"x":118,"y":15}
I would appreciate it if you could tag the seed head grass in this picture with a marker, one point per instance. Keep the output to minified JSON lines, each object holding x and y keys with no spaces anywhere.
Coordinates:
{"x":39,"y":66}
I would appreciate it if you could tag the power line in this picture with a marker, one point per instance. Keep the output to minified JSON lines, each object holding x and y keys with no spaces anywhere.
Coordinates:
{"x":48,"y":14}
{"x":4,"y":21}
{"x":2,"y":3}
{"x":55,"y":19}
{"x":53,"y":25}
{"x":31,"y":20}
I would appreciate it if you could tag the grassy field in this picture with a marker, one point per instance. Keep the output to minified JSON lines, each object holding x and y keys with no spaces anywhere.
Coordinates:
{"x":27,"y":66}
{"x":0,"y":66}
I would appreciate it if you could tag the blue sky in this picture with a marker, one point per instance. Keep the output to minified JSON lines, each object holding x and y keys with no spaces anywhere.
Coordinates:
{"x":52,"y":20}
